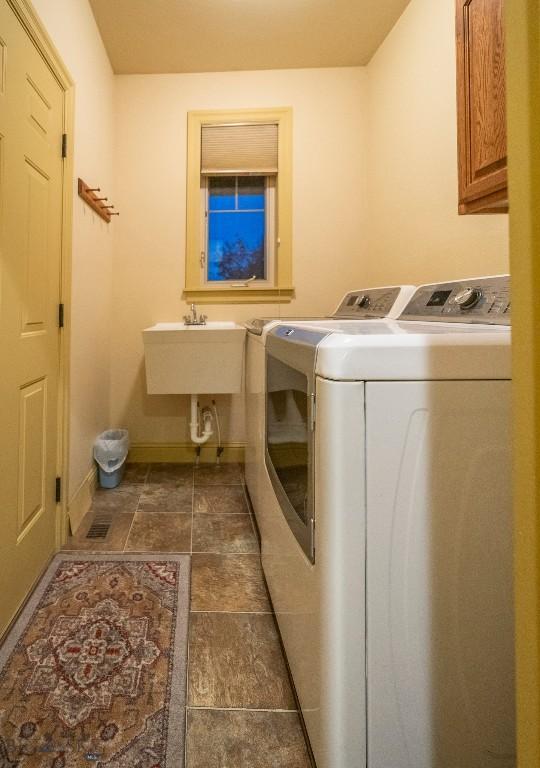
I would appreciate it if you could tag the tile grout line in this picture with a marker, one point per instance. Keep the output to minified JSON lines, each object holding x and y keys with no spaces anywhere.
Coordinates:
{"x":187,"y":512}
{"x":241,"y":709}
{"x":189,"y":620}
{"x":143,"y":486}
{"x":224,"y":514}
{"x":133,"y":520}
{"x":229,"y":555}
{"x":192,"y":511}
{"x":221,"y":514}
{"x":250,"y":513}
{"x":237,"y":613}
{"x":226,"y":554}
{"x":166,"y":552}
{"x":214,"y":552}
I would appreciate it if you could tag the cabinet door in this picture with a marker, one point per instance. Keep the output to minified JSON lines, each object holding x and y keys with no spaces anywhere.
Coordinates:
{"x":481,"y":101}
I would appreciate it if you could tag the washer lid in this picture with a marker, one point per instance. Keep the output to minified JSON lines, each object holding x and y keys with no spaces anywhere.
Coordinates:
{"x":399,"y":351}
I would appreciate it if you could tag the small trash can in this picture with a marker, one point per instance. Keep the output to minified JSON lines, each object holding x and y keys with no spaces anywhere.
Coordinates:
{"x":110,"y":452}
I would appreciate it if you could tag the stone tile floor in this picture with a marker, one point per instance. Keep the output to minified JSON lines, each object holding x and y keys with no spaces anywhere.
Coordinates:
{"x":241,"y":712}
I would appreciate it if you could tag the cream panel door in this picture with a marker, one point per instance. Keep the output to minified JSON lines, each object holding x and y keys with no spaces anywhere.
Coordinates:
{"x":31,"y":120}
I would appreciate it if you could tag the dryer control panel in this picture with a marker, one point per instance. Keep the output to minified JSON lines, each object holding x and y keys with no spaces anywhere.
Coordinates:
{"x":371,"y":303}
{"x":476,"y":300}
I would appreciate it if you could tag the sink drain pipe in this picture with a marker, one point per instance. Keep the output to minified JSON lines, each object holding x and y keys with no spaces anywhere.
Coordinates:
{"x":220,"y":448}
{"x":197,"y":436}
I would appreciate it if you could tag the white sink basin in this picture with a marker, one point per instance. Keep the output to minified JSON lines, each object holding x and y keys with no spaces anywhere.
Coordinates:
{"x":210,"y":326}
{"x":194,"y":359}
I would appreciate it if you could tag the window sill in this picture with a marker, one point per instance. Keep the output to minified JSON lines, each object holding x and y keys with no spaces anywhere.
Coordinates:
{"x":227,"y":295}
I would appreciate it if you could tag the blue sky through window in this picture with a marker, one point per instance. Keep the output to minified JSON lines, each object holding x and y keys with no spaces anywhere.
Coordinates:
{"x":236,"y":228}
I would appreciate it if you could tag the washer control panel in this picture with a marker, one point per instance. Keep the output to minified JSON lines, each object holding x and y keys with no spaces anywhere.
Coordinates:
{"x":370,"y":303}
{"x":477,"y":300}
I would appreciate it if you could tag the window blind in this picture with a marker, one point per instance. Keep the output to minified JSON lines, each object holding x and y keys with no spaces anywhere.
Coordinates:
{"x":239,"y":149}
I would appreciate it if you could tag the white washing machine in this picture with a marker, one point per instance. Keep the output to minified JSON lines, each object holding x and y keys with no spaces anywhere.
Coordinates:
{"x":364,"y":304}
{"x":388,"y":540}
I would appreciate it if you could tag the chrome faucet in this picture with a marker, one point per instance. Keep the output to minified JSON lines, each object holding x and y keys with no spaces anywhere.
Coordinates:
{"x":193,"y":319}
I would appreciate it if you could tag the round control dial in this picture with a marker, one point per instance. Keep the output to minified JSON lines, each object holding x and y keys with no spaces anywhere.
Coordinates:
{"x":468,"y":298}
{"x":363,"y":301}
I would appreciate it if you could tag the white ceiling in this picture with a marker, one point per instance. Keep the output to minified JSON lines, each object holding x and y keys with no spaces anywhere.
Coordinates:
{"x":161,"y":36}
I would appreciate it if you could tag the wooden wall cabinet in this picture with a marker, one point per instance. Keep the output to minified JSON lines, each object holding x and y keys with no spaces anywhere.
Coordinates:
{"x":481,"y":102}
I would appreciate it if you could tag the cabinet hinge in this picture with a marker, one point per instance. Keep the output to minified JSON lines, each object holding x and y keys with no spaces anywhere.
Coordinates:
{"x":60,"y":315}
{"x":64,"y":145}
{"x":58,"y":490}
{"x":313,"y":411}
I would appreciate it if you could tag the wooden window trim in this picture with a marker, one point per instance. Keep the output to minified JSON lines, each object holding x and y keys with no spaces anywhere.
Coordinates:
{"x":282,"y":290}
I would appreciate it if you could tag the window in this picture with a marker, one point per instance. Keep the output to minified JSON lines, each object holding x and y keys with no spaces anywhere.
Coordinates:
{"x":239,"y":229}
{"x":239,"y":206}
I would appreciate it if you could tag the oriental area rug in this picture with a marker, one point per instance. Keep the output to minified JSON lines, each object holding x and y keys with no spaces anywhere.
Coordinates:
{"x":93,"y":673}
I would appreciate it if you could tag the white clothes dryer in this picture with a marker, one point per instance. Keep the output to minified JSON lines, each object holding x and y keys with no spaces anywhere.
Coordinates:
{"x":388,"y":541}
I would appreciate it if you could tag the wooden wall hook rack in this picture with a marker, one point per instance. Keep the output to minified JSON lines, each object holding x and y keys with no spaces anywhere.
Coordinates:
{"x":90,"y":198}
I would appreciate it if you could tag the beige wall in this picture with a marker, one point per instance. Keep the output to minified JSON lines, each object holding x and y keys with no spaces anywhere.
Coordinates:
{"x":375,"y":200}
{"x":71,"y":26}
{"x":329,"y":215}
{"x":416,"y":234}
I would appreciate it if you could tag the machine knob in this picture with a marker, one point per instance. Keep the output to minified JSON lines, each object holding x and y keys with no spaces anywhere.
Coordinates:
{"x":468,"y":298}
{"x":363,"y":302}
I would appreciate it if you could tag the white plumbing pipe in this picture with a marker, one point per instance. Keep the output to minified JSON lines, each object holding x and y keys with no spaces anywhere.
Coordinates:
{"x":197,"y":438}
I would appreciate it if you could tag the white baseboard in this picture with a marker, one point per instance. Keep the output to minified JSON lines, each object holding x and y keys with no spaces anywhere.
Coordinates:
{"x":183,"y":452}
{"x":82,"y":499}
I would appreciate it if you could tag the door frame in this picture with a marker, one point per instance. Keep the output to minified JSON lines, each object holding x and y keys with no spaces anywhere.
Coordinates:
{"x":39,"y":36}
{"x":523,"y":67}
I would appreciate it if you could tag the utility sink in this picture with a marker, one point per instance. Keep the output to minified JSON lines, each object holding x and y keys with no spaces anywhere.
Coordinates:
{"x":194,"y":359}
